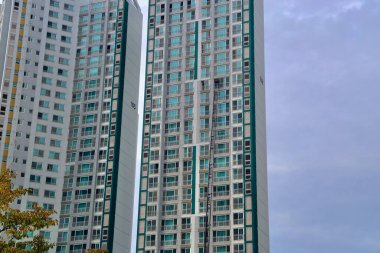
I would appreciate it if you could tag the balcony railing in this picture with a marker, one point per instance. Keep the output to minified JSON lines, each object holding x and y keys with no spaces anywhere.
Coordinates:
{"x":221,"y":223}
{"x":221,"y":239}
{"x":170,"y":198}
{"x":169,"y":227}
{"x":78,"y":237}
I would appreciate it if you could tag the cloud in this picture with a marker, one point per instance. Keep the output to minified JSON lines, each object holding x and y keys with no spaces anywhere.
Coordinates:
{"x":357,"y":5}
{"x":322,"y":62}
{"x":328,"y":11}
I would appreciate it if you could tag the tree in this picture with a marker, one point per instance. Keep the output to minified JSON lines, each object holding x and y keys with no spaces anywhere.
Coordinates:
{"x":97,"y":251}
{"x":16,"y":225}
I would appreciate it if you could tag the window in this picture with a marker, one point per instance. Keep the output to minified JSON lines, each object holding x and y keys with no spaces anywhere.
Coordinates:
{"x":33,"y":192}
{"x":62,"y":84}
{"x":38,"y":153}
{"x":42,"y":116}
{"x":221,"y":162}
{"x":45,"y":92}
{"x":30,"y":205}
{"x":35,"y":179}
{"x":52,"y":25}
{"x":63,"y":72}
{"x":51,"y":36}
{"x":60,"y":95}
{"x":50,"y":46}
{"x":51,"y":180}
{"x":52,"y":168}
{"x":67,"y":28}
{"x":57,"y":119}
{"x":59,"y":107}
{"x":48,"y":206}
{"x":54,"y":3}
{"x":56,"y":130}
{"x":48,"y":69}
{"x":55,"y":143}
{"x":49,"y":194}
{"x":68,"y":17}
{"x":68,"y":7}
{"x":39,"y":140}
{"x":36,"y":166}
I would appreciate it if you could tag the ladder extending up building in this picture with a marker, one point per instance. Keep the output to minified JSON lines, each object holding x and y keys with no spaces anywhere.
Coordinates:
{"x":208,"y":217}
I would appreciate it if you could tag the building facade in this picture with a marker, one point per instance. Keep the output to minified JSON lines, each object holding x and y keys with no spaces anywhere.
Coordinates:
{"x":203,"y":185}
{"x":69,"y":115}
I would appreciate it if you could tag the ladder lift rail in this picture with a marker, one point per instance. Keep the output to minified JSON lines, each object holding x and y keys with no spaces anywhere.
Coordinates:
{"x":208,"y":216}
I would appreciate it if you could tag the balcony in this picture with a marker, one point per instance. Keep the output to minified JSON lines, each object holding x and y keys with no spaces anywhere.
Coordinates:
{"x":84,"y":171}
{"x":174,"y":212}
{"x":172,"y":130}
{"x":221,"y":239}
{"x":150,"y":243}
{"x":170,"y":198}
{"x":80,"y":223}
{"x":186,"y":226}
{"x":81,"y":210}
{"x":86,"y":183}
{"x":185,"y":241}
{"x":68,"y":185}
{"x":221,"y":223}
{"x":62,"y":239}
{"x":188,"y":128}
{"x":221,"y":179}
{"x":95,"y":237}
{"x":152,"y":199}
{"x":169,"y":227}
{"x":97,"y":223}
{"x":170,"y":184}
{"x":222,"y":137}
{"x":66,"y":198}
{"x":222,"y":98}
{"x":85,"y":196}
{"x":151,"y":228}
{"x":78,"y":238}
{"x":238,"y":221}
{"x":151,"y":213}
{"x":171,"y":156}
{"x":169,"y":243}
{"x":221,"y":208}
{"x":221,"y":194}
{"x":170,"y":170}
{"x":171,"y":143}
{"x":203,"y":181}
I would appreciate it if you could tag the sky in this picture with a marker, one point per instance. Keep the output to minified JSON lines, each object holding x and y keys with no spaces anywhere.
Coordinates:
{"x":323,"y":123}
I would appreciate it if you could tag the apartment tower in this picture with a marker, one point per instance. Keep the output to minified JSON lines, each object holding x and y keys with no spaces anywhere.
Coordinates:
{"x":203,"y":185}
{"x":69,"y":96}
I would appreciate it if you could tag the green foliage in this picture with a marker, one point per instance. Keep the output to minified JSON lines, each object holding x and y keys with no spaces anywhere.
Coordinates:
{"x":15,"y":225}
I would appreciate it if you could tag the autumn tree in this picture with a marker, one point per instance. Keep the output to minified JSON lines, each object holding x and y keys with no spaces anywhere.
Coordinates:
{"x":97,"y":251}
{"x":16,"y":225}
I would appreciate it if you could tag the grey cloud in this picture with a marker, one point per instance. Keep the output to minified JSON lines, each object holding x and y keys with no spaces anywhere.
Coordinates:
{"x":323,"y":90}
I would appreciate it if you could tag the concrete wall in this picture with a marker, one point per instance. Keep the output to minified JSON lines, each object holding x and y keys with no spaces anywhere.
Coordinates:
{"x":261,"y":147}
{"x":128,"y":141}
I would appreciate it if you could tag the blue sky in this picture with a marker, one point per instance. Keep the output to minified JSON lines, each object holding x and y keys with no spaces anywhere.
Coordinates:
{"x":323,"y":121}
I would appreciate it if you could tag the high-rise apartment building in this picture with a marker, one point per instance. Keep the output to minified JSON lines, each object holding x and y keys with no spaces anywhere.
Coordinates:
{"x":203,"y":181}
{"x":69,"y":90}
